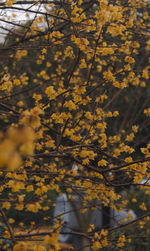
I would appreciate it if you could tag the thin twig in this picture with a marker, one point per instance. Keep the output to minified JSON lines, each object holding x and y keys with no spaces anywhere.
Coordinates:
{"x":8,"y":225}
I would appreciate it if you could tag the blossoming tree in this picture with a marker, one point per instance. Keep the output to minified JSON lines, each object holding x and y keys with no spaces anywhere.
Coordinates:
{"x":74,"y":90}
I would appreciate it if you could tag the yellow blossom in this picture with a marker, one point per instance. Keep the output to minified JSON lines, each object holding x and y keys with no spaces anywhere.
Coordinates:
{"x":143,"y":206}
{"x":96,"y":246}
{"x":21,"y":246}
{"x":6,"y":205}
{"x":70,"y":105}
{"x":102,"y":162}
{"x":50,"y":92}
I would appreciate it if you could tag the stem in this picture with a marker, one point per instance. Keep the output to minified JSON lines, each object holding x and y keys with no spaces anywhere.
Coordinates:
{"x":7,"y":224}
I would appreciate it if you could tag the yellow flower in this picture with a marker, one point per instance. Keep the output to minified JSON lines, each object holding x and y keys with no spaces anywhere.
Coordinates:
{"x":20,"y":103}
{"x":6,"y":205}
{"x":102,"y":162}
{"x":16,"y":82}
{"x":11,"y":221}
{"x":51,"y":239}
{"x":121,"y":241}
{"x":20,"y":206}
{"x":39,"y":248}
{"x":108,"y":75}
{"x":50,"y":92}
{"x":97,"y":245}
{"x":145,"y":73}
{"x":9,"y":3}
{"x":144,"y":150}
{"x":128,"y":159}
{"x":147,"y":111}
{"x":21,"y":246}
{"x":130,"y":137}
{"x":115,"y":113}
{"x":44,"y":50}
{"x":33,"y":207}
{"x":129,"y":60}
{"x":135,"y":128}
{"x":143,"y":206}
{"x":29,"y":188}
{"x":134,"y":200}
{"x":70,"y":105}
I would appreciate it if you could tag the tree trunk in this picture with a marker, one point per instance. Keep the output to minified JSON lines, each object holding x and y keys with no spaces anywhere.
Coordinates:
{"x":85,"y":244}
